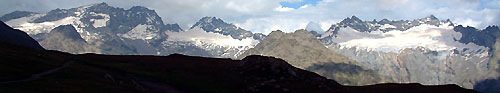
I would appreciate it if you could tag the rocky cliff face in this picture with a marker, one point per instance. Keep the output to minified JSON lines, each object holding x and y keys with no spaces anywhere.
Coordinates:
{"x":303,"y":50}
{"x":65,"y":38}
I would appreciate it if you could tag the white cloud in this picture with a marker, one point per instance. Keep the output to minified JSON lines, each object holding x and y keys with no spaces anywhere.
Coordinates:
{"x":283,"y":9}
{"x":467,"y":22}
{"x":268,"y":24}
{"x":267,"y":15}
{"x":326,"y":24}
{"x":305,"y":6}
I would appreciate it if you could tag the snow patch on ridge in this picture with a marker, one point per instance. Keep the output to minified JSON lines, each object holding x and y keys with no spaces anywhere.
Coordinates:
{"x":222,"y":45}
{"x":197,"y":34}
{"x":100,"y":22}
{"x":140,"y":32}
{"x":436,"y":38}
{"x":24,"y":24}
{"x":385,"y":26}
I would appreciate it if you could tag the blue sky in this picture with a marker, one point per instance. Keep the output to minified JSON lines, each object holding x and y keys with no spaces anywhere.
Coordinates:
{"x":264,"y":16}
{"x":298,"y":4}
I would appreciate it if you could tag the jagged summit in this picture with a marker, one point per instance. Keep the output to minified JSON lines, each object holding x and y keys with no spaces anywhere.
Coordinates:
{"x":97,"y":7}
{"x":217,"y":25}
{"x":139,"y":8}
{"x":209,"y":21}
{"x":102,"y":4}
{"x":492,"y":27}
{"x":486,"y":37}
{"x":385,"y":24}
{"x":432,"y":17}
{"x":353,"y":19}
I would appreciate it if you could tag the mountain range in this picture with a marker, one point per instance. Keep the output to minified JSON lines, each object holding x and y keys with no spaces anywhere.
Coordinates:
{"x":27,"y":68}
{"x":353,"y":52}
{"x":425,"y":50}
{"x":136,"y":31}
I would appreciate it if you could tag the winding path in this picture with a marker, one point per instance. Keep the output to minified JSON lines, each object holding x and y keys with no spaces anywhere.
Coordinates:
{"x":38,"y":75}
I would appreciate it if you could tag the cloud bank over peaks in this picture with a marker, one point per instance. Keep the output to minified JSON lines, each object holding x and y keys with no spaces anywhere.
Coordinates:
{"x":265,"y":16}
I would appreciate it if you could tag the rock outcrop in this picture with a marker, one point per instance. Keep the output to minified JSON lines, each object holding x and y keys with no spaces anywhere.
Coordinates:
{"x":65,"y":38}
{"x":301,"y":49}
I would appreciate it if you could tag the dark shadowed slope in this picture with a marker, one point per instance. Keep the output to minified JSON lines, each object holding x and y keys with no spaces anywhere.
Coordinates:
{"x":15,"y":36}
{"x":491,"y":85}
{"x":180,"y":73}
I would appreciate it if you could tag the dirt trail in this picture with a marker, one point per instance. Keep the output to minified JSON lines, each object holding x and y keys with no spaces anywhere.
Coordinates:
{"x":38,"y":75}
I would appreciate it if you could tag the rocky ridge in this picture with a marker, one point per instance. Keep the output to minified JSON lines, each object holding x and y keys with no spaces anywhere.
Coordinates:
{"x":301,"y":49}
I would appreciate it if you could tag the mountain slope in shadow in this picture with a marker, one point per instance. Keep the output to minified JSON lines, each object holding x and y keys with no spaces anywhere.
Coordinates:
{"x":180,"y":73}
{"x":8,"y":34}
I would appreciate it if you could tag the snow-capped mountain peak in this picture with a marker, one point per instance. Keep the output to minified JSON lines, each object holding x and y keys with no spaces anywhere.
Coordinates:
{"x":138,"y":30}
{"x":353,"y":19}
{"x":425,"y":50}
{"x":432,"y":17}
{"x":102,"y":4}
{"x":216,"y":25}
{"x":381,"y":35}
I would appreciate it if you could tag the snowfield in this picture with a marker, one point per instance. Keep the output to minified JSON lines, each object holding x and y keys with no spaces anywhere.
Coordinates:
{"x":227,"y":46}
{"x":141,"y":32}
{"x":436,"y":38}
{"x":24,"y":24}
{"x":198,"y":34}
